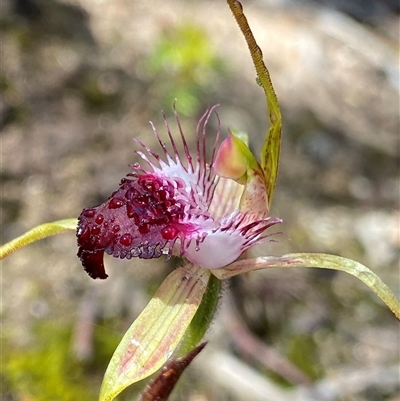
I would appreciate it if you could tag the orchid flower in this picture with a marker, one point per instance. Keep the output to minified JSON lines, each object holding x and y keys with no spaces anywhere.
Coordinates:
{"x":207,"y":208}
{"x":181,"y":206}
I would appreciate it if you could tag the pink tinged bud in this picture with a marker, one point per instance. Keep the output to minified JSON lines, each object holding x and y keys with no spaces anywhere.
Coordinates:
{"x":230,"y":161}
{"x":235,"y":161}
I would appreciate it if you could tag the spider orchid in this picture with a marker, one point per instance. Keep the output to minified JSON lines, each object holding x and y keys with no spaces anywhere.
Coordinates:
{"x":208,"y":211}
{"x":209,"y":208}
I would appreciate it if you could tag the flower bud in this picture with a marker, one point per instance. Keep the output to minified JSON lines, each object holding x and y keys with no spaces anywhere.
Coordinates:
{"x":231,"y":161}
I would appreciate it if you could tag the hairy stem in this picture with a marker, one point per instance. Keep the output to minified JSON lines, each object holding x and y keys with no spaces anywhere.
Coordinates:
{"x":271,"y":148}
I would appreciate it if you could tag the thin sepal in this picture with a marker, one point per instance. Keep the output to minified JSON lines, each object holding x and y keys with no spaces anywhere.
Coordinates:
{"x":37,"y":233}
{"x":318,"y":260}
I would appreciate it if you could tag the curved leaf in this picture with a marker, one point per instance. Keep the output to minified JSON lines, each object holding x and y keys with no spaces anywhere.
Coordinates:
{"x":318,"y":260}
{"x":37,"y":233}
{"x":156,"y":333}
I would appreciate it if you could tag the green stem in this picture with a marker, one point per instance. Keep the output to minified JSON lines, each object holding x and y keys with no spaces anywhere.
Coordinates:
{"x":271,"y":148}
{"x":203,"y":317}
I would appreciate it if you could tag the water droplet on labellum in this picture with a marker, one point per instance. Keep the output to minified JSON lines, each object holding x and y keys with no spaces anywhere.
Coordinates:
{"x":138,"y":211}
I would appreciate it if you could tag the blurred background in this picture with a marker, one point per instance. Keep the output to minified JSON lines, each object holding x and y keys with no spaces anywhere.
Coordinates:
{"x":81,"y":78}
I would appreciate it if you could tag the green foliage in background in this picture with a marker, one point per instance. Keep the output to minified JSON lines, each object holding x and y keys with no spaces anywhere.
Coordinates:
{"x":48,"y":371}
{"x":302,"y":351}
{"x":183,"y":65}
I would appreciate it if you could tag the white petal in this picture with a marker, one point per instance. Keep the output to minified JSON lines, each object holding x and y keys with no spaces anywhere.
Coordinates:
{"x":176,"y":170}
{"x":218,"y":249}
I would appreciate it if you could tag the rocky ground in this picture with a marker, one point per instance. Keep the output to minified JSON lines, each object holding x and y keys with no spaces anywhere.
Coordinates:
{"x":80,"y":78}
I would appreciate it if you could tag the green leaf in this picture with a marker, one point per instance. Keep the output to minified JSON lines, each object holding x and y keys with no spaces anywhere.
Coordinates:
{"x":272,"y":144}
{"x":158,"y":330}
{"x":318,"y":260}
{"x":38,"y":233}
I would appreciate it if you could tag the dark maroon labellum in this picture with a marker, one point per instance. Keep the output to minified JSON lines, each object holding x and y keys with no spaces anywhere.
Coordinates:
{"x":139,"y":219}
{"x":116,"y":203}
{"x":126,"y":239}
{"x":99,"y":219}
{"x":170,"y":232}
